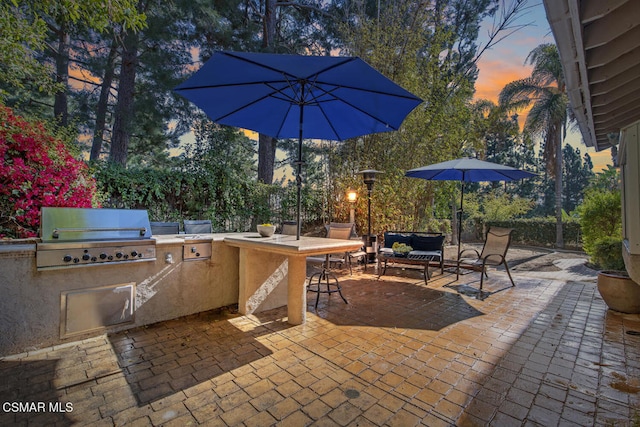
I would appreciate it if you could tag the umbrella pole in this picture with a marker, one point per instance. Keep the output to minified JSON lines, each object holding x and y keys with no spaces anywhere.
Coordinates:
{"x":460,"y":218}
{"x":299,"y":167}
{"x":299,"y":184}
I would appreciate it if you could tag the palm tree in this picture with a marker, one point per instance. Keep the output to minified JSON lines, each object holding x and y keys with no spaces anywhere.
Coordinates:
{"x":549,"y":114}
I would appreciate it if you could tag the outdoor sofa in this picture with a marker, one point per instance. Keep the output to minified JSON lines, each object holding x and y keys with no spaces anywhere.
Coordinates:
{"x":426,"y":247}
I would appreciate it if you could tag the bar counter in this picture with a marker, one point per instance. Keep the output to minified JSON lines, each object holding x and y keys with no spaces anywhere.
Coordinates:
{"x":192,"y":273}
{"x":267,"y":262}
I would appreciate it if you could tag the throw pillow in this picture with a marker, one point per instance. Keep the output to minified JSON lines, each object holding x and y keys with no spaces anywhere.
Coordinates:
{"x":391,"y":238}
{"x":426,"y":243}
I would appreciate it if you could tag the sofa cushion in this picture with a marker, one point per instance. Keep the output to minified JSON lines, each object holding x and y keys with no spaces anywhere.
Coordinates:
{"x":391,"y":238}
{"x":426,"y":243}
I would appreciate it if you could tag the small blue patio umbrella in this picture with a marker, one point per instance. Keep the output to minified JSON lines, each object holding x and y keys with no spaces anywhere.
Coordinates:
{"x":294,"y":96}
{"x":468,"y":169}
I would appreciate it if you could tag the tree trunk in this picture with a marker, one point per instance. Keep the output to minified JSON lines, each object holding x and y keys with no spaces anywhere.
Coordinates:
{"x":124,"y":107}
{"x":269,"y":24}
{"x":60,"y":105}
{"x":558,"y":188}
{"x":267,"y":144}
{"x":266,"y":158}
{"x":103,"y":102}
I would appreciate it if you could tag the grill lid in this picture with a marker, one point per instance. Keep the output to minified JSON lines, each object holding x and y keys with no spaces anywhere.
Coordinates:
{"x":82,"y":224}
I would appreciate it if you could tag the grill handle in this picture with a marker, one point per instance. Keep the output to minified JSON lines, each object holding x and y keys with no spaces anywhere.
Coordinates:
{"x":56,"y":231}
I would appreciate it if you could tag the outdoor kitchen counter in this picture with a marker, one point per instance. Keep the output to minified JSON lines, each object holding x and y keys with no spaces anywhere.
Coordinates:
{"x":267,"y":262}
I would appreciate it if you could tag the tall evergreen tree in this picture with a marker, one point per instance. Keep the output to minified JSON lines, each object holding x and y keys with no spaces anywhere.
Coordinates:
{"x":578,"y":172}
{"x":430,"y":49}
{"x":545,"y":92}
{"x":288,"y":27}
{"x":149,"y":64}
{"x":505,"y":145}
{"x":62,"y":20}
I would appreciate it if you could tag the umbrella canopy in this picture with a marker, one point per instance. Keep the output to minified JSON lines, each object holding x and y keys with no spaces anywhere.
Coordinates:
{"x":468,"y":170}
{"x":289,"y":96}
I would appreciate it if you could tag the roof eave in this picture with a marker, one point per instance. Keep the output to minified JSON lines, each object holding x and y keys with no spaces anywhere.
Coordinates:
{"x":564,"y":19}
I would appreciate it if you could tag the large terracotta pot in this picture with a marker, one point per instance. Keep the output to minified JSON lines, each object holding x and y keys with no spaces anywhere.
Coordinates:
{"x":618,"y":291}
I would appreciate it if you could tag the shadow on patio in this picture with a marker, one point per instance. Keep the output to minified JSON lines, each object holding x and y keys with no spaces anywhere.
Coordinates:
{"x":547,"y":352}
{"x":393,"y":304}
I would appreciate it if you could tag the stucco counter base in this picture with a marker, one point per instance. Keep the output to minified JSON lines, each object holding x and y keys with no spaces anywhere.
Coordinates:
{"x":273,"y":270}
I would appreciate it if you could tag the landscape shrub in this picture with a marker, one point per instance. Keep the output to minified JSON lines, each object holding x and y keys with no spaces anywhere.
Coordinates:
{"x":36,"y":169}
{"x":601,"y":223}
{"x":175,"y":194}
{"x":607,"y":253}
{"x":541,"y":231}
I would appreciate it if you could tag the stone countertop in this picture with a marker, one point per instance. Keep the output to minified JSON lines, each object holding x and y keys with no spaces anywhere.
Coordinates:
{"x":166,"y":239}
{"x":279,"y":243}
{"x":288,"y":245}
{"x":14,"y":247}
{"x":18,"y":249}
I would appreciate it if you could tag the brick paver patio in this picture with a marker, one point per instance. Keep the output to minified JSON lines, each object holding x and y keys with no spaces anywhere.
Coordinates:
{"x":545,"y":353}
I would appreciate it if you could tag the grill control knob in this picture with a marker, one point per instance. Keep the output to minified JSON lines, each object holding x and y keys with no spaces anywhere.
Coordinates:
{"x":134,"y":253}
{"x":119,"y":254}
{"x":76,"y":260}
{"x":110,"y":257}
{"x":67,"y":258}
{"x":86,"y":257}
{"x":103,"y":255}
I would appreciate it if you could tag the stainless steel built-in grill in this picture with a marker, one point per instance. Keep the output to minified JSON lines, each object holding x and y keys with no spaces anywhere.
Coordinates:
{"x":73,"y":237}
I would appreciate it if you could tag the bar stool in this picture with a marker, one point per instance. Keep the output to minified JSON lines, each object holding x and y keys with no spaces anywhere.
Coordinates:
{"x":325,"y":278}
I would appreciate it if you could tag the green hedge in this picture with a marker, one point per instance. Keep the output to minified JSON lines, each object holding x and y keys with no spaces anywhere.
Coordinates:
{"x":539,"y":232}
{"x":175,"y":195}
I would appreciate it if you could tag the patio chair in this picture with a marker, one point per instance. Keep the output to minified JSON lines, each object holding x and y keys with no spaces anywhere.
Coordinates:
{"x":346,"y":231}
{"x":164,"y":227}
{"x":197,"y":226}
{"x":341,"y":225}
{"x":494,"y":253}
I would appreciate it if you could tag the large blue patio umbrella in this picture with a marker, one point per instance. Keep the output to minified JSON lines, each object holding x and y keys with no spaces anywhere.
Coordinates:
{"x":294,"y":96}
{"x":468,"y":169}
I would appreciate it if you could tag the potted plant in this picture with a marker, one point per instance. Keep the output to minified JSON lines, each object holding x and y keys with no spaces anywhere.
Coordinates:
{"x":616,"y":288}
{"x":601,"y":225}
{"x":266,"y":230}
{"x":401,"y":249}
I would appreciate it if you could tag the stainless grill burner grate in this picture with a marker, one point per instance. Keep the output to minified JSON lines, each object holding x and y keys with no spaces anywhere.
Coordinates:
{"x":74,"y":237}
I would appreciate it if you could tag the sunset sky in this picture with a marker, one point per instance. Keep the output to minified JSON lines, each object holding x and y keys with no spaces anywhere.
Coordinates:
{"x":505,"y":62}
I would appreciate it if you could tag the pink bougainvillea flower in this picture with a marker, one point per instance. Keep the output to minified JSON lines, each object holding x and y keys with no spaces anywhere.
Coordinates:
{"x":36,"y":169}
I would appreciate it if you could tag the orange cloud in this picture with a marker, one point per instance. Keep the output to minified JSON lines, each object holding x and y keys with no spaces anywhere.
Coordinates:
{"x":494,"y":75}
{"x":502,"y":67}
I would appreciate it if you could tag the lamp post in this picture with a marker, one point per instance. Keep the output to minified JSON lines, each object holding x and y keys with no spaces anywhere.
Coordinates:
{"x":352,"y":196}
{"x":369,"y":177}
